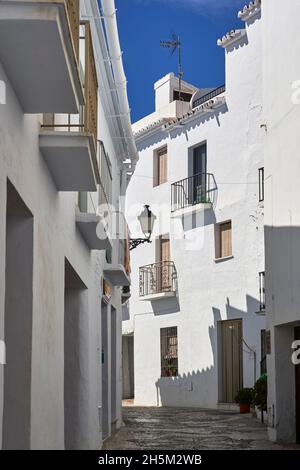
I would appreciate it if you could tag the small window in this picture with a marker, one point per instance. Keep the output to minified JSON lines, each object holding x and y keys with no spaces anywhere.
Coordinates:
{"x":169,"y":352}
{"x":261,"y":178}
{"x":183,"y":96}
{"x":263,"y":361}
{"x":160,"y":166}
{"x":223,"y":240}
{"x":262,"y":292}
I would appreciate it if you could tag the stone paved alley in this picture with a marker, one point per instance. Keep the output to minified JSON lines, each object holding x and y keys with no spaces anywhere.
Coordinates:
{"x":192,"y":429}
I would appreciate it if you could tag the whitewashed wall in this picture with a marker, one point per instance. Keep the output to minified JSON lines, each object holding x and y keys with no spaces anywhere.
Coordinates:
{"x":207,"y":291}
{"x":55,"y":237}
{"x":281,"y":98}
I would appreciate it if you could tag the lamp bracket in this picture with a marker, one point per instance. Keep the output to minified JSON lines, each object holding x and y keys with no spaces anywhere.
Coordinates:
{"x":135,"y":242}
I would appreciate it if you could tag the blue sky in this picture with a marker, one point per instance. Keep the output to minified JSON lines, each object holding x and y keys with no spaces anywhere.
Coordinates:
{"x":199,"y":23}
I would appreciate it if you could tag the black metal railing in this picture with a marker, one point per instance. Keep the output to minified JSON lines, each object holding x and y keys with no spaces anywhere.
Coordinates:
{"x":158,"y":278}
{"x":209,"y":96}
{"x":197,"y":189}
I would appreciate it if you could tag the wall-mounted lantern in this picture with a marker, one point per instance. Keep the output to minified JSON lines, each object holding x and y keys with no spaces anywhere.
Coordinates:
{"x":146,"y":219}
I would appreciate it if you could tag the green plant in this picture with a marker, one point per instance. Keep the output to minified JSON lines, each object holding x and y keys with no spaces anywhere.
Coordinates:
{"x":261,"y":392}
{"x":244,"y":396}
{"x":201,"y":196}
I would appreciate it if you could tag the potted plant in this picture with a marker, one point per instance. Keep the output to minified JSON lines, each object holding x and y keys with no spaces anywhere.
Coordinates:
{"x":260,"y":393}
{"x":244,"y":398}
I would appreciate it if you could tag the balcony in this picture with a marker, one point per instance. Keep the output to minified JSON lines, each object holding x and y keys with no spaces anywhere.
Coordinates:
{"x":39,"y":47}
{"x":68,"y":142}
{"x":118,"y":273}
{"x":93,"y":230}
{"x":158,"y":281}
{"x":197,"y":190}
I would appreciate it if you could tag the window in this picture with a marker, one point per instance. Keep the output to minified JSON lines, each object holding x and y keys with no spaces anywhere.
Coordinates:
{"x":223,"y":240}
{"x":169,"y":352}
{"x":262,"y":292}
{"x":160,"y":166}
{"x":263,"y":362}
{"x":184,"y":96}
{"x":261,"y":179}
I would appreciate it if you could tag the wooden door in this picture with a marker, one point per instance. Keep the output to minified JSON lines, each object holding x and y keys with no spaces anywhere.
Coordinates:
{"x":297,"y":384}
{"x":164,"y":273}
{"x":232,"y":359}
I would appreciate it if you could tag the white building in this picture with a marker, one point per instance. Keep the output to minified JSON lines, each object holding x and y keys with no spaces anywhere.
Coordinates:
{"x":281,"y":103}
{"x":194,"y":323}
{"x":65,"y":148}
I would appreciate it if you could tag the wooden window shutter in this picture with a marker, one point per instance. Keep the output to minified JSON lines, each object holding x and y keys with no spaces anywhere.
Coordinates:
{"x":225,"y":240}
{"x":91,"y":87}
{"x":165,"y":249}
{"x":73,"y":9}
{"x":162,"y":157}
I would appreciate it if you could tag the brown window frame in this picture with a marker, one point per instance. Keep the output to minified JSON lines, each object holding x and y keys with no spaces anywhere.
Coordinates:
{"x":220,"y":252}
{"x":158,"y":179}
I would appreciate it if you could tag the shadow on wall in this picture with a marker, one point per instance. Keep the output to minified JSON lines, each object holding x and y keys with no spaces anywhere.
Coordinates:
{"x":243,"y":41}
{"x":203,"y":388}
{"x":198,"y":219}
{"x":198,"y":121}
{"x":152,"y":140}
{"x":166,"y":306}
{"x":201,"y":119}
{"x":198,"y":388}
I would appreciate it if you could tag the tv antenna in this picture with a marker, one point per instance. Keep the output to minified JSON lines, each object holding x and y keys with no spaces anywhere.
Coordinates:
{"x":175,"y":43}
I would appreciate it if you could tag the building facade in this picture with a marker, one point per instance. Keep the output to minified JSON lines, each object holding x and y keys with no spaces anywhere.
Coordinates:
{"x":281,"y":72}
{"x":194,"y":326}
{"x":64,"y":162}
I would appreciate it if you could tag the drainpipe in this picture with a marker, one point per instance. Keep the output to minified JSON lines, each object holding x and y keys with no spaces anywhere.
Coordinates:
{"x":111,"y":29}
{"x":254,"y":358}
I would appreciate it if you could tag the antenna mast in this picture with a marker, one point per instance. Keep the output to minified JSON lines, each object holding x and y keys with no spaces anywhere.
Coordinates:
{"x":175,"y":43}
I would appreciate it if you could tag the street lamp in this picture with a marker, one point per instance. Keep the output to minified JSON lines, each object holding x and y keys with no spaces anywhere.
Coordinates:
{"x":146,"y":219}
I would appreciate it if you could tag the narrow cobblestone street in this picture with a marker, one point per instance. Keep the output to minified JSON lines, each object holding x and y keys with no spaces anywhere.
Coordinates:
{"x":192,"y":429}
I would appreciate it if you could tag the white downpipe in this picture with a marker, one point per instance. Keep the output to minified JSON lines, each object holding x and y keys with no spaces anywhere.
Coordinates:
{"x":115,"y":53}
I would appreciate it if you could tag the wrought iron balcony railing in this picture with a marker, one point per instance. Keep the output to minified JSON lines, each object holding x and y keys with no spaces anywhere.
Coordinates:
{"x":209,"y":96}
{"x":158,"y":278}
{"x":197,"y":189}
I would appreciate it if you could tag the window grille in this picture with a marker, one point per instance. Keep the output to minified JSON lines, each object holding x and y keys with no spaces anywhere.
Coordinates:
{"x":169,"y":352}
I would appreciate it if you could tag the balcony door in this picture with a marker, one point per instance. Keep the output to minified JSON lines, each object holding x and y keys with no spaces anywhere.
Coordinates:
{"x":198,"y":182}
{"x":163,"y":269}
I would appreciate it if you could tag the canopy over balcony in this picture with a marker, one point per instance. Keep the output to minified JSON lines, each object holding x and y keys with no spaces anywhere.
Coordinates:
{"x":39,"y":51}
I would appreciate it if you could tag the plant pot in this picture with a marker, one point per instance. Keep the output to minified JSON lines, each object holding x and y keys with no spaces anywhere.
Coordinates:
{"x":244,"y":408}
